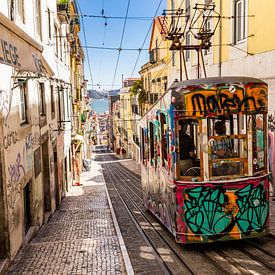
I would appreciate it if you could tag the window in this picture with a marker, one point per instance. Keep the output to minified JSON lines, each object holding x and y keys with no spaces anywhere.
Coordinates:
{"x":20,"y":9}
{"x":187,"y":43}
{"x":49,"y":24}
{"x":38,"y":26}
{"x":11,"y":9}
{"x":188,"y":147}
{"x":60,"y":44}
{"x":144,"y":148}
{"x":227,"y":145}
{"x":23,"y":101}
{"x":52,"y":102}
{"x":65,"y":53}
{"x":239,"y":20}
{"x":164,"y":140}
{"x":56,"y":39}
{"x":207,"y":30}
{"x":259,"y":146}
{"x":152,"y":142}
{"x":42,"y":102}
{"x":157,"y":50}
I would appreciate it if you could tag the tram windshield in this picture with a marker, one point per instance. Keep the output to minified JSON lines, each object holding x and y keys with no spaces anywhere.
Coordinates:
{"x":227,"y":145}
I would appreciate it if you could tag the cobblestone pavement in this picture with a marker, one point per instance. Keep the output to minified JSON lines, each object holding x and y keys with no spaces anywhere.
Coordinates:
{"x":80,"y":238}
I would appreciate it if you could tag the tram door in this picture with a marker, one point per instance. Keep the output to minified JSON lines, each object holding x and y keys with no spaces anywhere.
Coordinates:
{"x":188,"y":148}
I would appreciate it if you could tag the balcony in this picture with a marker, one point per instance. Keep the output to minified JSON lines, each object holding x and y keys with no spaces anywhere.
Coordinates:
{"x":63,"y":11}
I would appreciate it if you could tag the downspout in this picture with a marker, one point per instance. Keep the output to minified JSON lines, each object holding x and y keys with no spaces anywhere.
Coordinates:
{"x":220,"y":41}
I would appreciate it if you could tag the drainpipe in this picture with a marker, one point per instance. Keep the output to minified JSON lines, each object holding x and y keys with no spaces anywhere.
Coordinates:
{"x":220,"y":41}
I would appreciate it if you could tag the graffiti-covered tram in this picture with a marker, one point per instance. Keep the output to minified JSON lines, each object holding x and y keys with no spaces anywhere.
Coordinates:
{"x":204,"y":159}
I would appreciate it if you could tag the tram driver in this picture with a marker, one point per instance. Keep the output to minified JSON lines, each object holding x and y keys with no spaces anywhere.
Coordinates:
{"x":187,"y":148}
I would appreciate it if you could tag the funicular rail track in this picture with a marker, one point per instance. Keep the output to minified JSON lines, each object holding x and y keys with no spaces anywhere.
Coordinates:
{"x":242,"y":257}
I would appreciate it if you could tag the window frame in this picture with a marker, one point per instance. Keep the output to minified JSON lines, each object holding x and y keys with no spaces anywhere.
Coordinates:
{"x":20,"y":9}
{"x":187,"y":43}
{"x":53,"y":111}
{"x":23,"y":101}
{"x":42,"y":99}
{"x":239,"y":21}
{"x":235,"y":132}
{"x":38,"y":18}
{"x":49,"y":24}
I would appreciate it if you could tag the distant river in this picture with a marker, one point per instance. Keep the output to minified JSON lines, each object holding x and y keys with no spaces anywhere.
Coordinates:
{"x":100,"y":106}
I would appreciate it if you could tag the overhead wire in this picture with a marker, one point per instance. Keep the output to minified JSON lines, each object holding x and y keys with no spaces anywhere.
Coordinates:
{"x":121,"y":41}
{"x":85,"y":41}
{"x":103,"y":40}
{"x":144,"y":41}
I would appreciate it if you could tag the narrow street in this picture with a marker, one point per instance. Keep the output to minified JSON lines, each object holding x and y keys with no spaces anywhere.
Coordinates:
{"x":80,"y":238}
{"x":83,"y":236}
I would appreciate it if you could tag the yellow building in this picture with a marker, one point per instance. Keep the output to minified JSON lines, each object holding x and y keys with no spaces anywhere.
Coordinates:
{"x":237,"y":32}
{"x":154,"y":73}
{"x":78,"y":86}
{"x":125,"y":125}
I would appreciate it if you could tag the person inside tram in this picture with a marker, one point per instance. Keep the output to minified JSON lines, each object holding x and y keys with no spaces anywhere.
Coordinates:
{"x":222,"y":148}
{"x":187,"y":148}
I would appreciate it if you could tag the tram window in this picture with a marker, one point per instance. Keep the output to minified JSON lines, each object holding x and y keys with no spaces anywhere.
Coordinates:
{"x":152,"y":141}
{"x":258,"y":142}
{"x":164,"y":140}
{"x":144,"y":146}
{"x":227,"y":145}
{"x":188,"y":142}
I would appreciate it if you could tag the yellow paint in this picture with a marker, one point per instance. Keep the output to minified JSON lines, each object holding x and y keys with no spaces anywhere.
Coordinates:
{"x":195,"y":101}
{"x":261,"y":26}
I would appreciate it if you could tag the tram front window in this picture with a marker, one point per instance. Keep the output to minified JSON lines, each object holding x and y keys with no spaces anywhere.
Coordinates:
{"x":227,"y":146}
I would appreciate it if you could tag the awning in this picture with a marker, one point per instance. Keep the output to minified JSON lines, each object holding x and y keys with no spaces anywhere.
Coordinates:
{"x":19,"y":50}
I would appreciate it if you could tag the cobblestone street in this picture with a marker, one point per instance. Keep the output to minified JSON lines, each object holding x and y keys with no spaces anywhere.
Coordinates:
{"x":83,"y":237}
{"x":80,"y":238}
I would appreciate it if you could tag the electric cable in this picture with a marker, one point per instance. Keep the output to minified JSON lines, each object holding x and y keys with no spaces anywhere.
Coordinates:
{"x":146,"y":37}
{"x":85,"y":40}
{"x":121,"y":41}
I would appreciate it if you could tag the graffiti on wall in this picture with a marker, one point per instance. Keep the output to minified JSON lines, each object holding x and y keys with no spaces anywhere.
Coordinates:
{"x":16,"y":171}
{"x":4,"y":104}
{"x":223,"y":100}
{"x":28,"y":152}
{"x":214,"y":212}
{"x":10,"y":138}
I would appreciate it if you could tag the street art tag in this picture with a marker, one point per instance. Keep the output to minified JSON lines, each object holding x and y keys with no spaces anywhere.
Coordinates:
{"x":220,"y":101}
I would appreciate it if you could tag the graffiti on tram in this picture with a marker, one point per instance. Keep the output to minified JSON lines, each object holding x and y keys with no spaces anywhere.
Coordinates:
{"x":220,"y":100}
{"x":216,"y":211}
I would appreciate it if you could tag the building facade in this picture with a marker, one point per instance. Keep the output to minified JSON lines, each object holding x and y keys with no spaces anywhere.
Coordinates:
{"x":35,"y":115}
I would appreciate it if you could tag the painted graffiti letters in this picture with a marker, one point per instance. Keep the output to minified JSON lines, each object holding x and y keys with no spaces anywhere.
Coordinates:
{"x":8,"y":54}
{"x":220,"y":101}
{"x":28,"y":142}
{"x":9,"y":139}
{"x":3,"y":101}
{"x":15,"y":171}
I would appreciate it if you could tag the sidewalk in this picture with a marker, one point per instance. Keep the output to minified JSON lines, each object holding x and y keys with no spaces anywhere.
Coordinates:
{"x":82,"y":237}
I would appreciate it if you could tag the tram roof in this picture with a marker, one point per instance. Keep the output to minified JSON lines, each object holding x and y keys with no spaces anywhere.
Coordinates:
{"x":217,"y":80}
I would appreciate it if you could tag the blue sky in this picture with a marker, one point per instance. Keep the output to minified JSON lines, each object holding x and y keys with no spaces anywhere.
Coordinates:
{"x":103,"y":62}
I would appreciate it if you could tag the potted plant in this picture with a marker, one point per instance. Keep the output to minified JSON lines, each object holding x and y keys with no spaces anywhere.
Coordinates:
{"x":62,"y":5}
